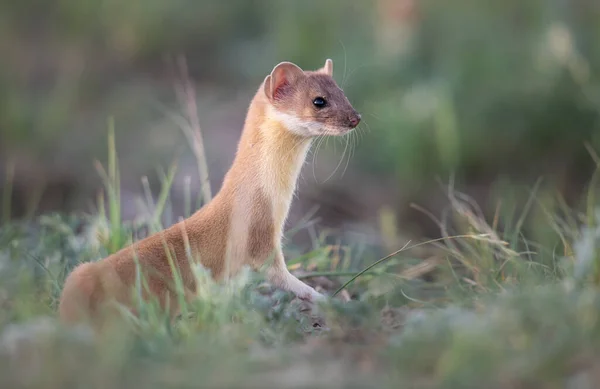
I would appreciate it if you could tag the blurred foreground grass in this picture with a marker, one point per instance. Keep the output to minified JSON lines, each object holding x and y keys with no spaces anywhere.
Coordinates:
{"x":483,"y":307}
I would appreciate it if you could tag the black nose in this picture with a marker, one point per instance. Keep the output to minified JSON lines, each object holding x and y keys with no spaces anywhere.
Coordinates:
{"x":354,"y":120}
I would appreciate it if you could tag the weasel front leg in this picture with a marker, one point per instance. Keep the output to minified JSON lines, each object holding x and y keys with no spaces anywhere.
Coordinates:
{"x":279,"y":275}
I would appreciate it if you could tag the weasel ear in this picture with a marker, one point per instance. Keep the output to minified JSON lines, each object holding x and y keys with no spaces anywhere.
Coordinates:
{"x":282,"y":76}
{"x":328,"y":68}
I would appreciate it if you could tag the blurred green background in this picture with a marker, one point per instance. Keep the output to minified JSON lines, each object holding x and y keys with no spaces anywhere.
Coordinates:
{"x":488,"y":95}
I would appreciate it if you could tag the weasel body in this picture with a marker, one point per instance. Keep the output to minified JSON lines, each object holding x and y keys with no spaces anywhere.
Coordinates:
{"x":243,"y":224}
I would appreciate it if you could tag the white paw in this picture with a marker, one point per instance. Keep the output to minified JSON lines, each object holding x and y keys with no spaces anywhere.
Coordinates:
{"x":318,"y":297}
{"x":313,"y":296}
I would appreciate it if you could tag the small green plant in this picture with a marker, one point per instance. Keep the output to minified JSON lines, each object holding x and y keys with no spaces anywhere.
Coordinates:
{"x":116,"y":235}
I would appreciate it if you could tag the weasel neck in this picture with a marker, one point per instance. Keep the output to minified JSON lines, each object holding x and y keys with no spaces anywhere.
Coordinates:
{"x":265,"y":171}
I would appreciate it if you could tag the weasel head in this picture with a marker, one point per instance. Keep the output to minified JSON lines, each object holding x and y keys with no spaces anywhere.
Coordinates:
{"x":309,"y":103}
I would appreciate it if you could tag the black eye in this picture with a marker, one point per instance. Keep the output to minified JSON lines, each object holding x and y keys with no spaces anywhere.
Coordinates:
{"x":319,"y":102}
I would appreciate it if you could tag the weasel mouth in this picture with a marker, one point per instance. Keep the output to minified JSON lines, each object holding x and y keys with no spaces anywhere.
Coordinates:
{"x":337,"y":131}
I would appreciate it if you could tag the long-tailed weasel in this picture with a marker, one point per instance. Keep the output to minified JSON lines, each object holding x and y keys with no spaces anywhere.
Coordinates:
{"x":244,"y":222}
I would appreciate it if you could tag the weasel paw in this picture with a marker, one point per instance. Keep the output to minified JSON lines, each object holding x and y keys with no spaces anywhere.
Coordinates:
{"x":313,"y":297}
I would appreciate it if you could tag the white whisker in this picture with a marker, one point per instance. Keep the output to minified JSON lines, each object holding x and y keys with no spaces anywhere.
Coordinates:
{"x":339,"y":163}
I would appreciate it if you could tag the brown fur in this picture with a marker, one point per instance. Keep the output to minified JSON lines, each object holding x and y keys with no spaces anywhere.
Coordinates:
{"x":262,"y":228}
{"x":243,"y":224}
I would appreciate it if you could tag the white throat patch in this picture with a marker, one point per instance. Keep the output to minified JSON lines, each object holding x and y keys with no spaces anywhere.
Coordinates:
{"x":297,"y":125}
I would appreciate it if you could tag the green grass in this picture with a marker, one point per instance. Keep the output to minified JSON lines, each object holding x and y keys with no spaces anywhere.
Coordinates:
{"x":496,"y":310}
